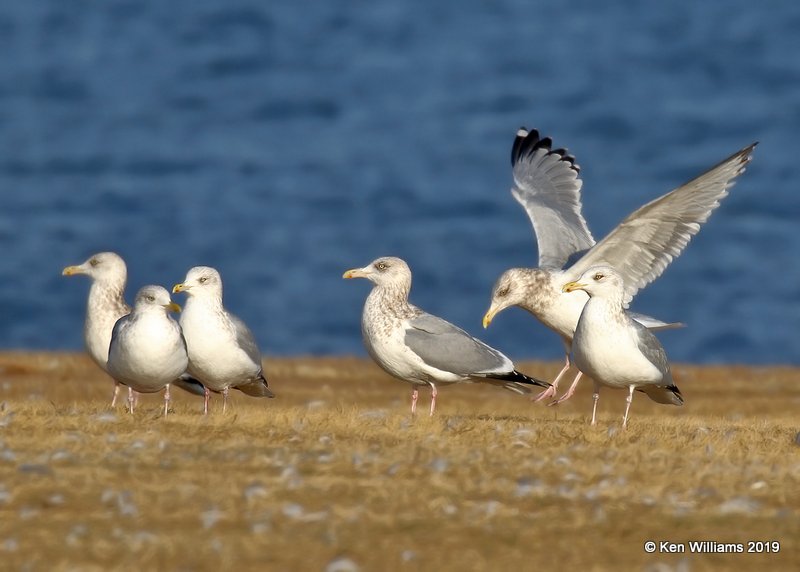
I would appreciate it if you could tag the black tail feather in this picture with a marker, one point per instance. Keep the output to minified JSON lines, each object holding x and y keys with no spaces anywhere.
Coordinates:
{"x":518,"y":377}
{"x":187,"y":383}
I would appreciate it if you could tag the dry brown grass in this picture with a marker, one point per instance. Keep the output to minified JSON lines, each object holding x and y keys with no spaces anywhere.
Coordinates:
{"x":335,"y":468}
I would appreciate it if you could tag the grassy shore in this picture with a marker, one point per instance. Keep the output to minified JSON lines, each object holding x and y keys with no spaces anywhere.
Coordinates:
{"x":334,"y":474}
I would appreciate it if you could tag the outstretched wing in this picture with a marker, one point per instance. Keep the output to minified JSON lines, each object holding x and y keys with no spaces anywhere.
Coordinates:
{"x":446,"y":347}
{"x":644,"y":244}
{"x":548,"y":186}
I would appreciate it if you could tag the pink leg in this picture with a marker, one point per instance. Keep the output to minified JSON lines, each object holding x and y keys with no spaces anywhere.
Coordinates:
{"x":414,"y":397}
{"x":166,"y":400}
{"x":433,"y":398}
{"x":551,"y":391}
{"x":595,"y":399}
{"x":224,"y":399}
{"x":131,"y":400}
{"x":206,"y":394}
{"x":116,"y":392}
{"x":629,"y":399}
{"x":570,"y":392}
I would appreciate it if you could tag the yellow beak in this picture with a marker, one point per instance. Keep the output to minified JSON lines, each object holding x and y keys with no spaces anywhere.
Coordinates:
{"x":572,"y":286}
{"x":354,"y":273}
{"x":488,"y":317}
{"x":178,"y":288}
{"x":173,"y":307}
{"x":70,"y":270}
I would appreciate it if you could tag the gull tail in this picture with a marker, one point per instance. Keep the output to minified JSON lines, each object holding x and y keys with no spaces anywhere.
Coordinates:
{"x":187,"y":383}
{"x":256,"y":388}
{"x":515,"y":381}
{"x":666,"y":394}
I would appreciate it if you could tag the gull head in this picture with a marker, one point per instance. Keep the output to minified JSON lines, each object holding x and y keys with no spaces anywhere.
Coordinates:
{"x":513,"y":288}
{"x":200,"y":280}
{"x":384,"y":271}
{"x":154,"y":297}
{"x":103,"y":266}
{"x":601,"y":281}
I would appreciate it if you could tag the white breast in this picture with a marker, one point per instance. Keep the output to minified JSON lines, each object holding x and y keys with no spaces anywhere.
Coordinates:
{"x":215,"y":357}
{"x":148,"y":354}
{"x":385,"y":342}
{"x":608,"y":352}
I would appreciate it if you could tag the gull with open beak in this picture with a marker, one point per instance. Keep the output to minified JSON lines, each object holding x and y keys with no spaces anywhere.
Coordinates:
{"x":422,"y":349}
{"x":547,"y":184}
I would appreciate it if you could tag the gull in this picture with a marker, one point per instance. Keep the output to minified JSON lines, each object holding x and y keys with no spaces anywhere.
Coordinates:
{"x":615,"y":350}
{"x":547,"y":185}
{"x":422,"y":349}
{"x":222,"y":350}
{"x":105,"y":305}
{"x":147,"y":350}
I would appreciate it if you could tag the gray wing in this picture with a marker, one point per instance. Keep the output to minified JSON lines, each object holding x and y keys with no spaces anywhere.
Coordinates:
{"x":654,"y":324}
{"x":245,"y":339}
{"x":652,"y":349}
{"x":119,"y":326}
{"x":548,"y":186}
{"x":644,"y":244}
{"x":444,"y":346}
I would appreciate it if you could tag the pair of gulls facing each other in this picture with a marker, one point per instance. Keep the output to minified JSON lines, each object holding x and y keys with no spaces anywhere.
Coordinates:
{"x":144,"y":349}
{"x":586,"y":303}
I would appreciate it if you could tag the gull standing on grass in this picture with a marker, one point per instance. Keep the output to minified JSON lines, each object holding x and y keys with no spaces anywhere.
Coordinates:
{"x":147,"y":350}
{"x":222,"y":350}
{"x":105,"y":305}
{"x":615,"y":350}
{"x":420,"y":348}
{"x":547,"y":185}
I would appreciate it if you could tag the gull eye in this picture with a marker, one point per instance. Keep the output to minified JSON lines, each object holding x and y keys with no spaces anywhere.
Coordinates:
{"x":381,"y":266}
{"x":503,"y":292}
{"x":94,"y":262}
{"x":151,"y":298}
{"x":203,"y":280}
{"x":599,"y":276}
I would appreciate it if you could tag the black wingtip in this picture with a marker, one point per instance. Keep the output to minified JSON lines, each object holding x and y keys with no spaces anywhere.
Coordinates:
{"x":527,"y":142}
{"x":519,"y":377}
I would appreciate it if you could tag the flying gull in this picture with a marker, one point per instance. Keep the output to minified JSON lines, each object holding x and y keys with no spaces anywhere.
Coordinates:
{"x":547,"y":185}
{"x":420,"y":348}
{"x":105,"y":305}
{"x":147,"y":350}
{"x":222,"y":350}
{"x":615,"y":350}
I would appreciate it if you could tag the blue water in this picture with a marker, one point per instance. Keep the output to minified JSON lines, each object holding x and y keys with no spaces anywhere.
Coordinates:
{"x":284,"y":142}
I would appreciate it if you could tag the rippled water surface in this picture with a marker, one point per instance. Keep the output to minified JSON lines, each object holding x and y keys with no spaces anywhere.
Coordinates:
{"x":284,"y":142}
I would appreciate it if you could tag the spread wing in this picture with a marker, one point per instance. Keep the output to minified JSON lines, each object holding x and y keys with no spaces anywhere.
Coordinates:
{"x":446,"y":347}
{"x":548,"y":186}
{"x":644,"y":244}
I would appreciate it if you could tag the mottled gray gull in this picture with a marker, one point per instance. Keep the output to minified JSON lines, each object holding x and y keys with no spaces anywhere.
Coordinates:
{"x":547,"y":185}
{"x":615,"y":350}
{"x":420,"y":348}
{"x":105,"y":305}
{"x":147,"y":350}
{"x":222,"y":349}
